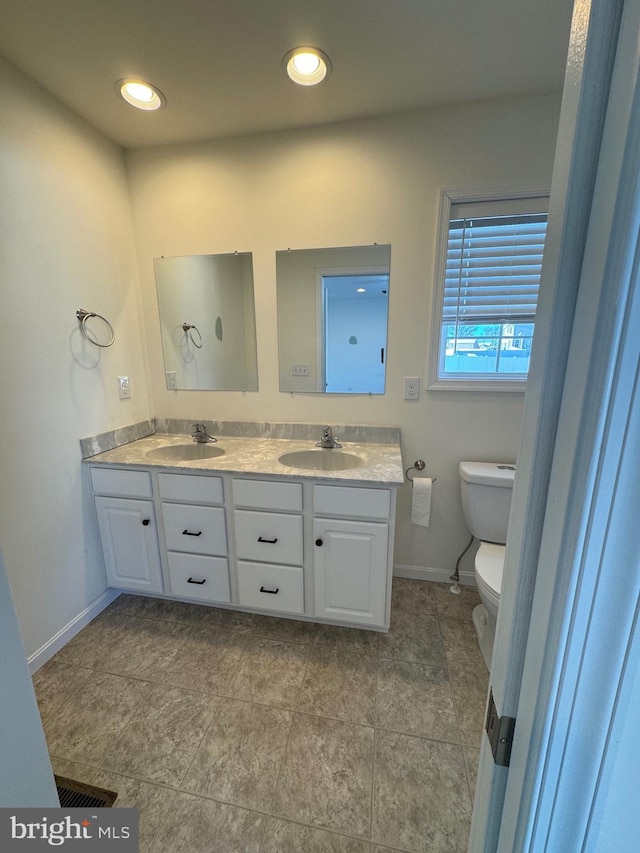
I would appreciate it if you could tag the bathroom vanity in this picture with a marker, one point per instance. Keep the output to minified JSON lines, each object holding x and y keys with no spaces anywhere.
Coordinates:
{"x":242,"y":529}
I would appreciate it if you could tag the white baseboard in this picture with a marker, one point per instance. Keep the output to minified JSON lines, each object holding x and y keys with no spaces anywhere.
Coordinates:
{"x":68,"y":632}
{"x":426,"y":574}
{"x":49,"y":649}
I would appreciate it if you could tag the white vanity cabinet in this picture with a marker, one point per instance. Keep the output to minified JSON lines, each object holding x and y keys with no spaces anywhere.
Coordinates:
{"x":269,"y":545}
{"x":127,"y":525}
{"x":195,"y":536}
{"x":309,"y":548}
{"x":352,"y":554}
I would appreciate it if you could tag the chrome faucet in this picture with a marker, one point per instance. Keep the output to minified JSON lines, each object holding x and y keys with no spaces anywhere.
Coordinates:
{"x":201,"y":435}
{"x":327,"y":441}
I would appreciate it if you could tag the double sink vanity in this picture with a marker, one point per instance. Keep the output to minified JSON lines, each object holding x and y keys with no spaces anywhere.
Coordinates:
{"x":261,"y":520}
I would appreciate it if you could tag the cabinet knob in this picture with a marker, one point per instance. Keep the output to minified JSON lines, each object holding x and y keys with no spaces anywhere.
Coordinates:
{"x":145,"y":522}
{"x":319,"y":542}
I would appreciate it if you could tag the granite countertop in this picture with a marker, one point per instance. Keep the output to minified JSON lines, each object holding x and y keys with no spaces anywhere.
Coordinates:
{"x":382,"y":463}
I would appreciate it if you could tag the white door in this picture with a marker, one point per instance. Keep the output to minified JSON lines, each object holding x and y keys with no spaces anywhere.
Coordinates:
{"x":355,"y":332}
{"x":565,"y":662}
{"x":130,"y":544}
{"x":26,"y":777}
{"x":350,"y":570}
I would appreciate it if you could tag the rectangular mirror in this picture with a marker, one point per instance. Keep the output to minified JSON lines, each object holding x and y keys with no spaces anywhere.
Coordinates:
{"x":332,"y":319}
{"x":207,"y":322}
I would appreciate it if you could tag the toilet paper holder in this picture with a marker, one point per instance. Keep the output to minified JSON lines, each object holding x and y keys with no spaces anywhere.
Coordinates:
{"x":418,"y":465}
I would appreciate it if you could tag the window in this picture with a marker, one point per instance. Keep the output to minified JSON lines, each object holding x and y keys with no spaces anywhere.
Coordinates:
{"x":487,"y":290}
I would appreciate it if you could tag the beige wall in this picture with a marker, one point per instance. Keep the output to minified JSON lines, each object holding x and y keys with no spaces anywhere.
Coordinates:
{"x":65,"y":242}
{"x":348,"y":184}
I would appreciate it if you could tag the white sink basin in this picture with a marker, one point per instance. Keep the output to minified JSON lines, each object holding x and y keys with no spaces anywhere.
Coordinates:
{"x":184,"y":452}
{"x":321,"y":460}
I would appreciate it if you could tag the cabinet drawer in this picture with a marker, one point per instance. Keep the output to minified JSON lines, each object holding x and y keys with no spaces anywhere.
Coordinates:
{"x":271,"y":587}
{"x":195,"y":576}
{"x":188,"y":487}
{"x":128,"y":484}
{"x":269,"y":536}
{"x":267,"y":494}
{"x":352,"y":502}
{"x":196,"y":529}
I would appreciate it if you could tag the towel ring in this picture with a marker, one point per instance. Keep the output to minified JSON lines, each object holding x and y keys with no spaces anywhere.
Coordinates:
{"x":187,"y":327}
{"x":83,"y":316}
{"x":418,"y":465}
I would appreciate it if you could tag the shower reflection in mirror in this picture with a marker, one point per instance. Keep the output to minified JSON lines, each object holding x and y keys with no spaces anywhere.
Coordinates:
{"x":332,"y":319}
{"x":217,"y":292}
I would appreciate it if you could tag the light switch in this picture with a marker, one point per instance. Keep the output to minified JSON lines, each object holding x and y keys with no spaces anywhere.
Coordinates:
{"x":124,"y":389}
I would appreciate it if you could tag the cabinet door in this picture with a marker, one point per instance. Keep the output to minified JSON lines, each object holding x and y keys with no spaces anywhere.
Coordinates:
{"x":350,"y":570}
{"x":130,"y":543}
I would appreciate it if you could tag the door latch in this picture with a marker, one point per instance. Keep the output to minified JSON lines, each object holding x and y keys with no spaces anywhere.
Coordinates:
{"x":500,"y":732}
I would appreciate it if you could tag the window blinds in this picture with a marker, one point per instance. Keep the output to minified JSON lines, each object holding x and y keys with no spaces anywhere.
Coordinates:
{"x":493,"y":265}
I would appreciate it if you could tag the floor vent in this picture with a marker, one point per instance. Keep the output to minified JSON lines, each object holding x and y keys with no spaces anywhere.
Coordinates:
{"x":77,"y":795}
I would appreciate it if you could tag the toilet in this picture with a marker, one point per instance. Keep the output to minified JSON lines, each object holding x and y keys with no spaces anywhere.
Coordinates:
{"x":486,"y":489}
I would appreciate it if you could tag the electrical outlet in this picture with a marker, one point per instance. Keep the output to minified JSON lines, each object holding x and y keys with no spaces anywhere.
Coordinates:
{"x":299,"y":369}
{"x":411,"y":387}
{"x":172,"y":380}
{"x":124,"y":389}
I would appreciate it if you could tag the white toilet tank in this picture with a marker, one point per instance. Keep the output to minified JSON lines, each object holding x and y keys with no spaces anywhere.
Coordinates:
{"x":486,"y":489}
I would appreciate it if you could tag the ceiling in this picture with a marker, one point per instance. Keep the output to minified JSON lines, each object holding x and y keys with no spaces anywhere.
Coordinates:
{"x":218,"y":62}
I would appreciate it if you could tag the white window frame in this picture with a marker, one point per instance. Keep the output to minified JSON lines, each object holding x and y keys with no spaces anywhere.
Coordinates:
{"x":448,"y":197}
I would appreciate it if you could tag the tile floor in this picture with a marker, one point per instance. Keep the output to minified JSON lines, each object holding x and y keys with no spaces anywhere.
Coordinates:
{"x":240,"y":733}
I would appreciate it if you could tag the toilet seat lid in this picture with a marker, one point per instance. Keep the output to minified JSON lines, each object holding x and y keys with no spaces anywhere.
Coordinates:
{"x":489,"y":565}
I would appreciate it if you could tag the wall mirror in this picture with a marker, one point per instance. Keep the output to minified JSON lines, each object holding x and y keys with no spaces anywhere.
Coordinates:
{"x":332,"y":319}
{"x":207,"y":322}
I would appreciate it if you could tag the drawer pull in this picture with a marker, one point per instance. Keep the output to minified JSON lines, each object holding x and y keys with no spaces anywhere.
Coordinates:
{"x":191,"y":580}
{"x":145,"y":522}
{"x":188,"y":533}
{"x":319,"y":542}
{"x":269,"y":541}
{"x":270,"y":591}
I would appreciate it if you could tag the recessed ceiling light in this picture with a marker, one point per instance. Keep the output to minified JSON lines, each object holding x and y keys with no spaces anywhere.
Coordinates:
{"x":139,"y":94}
{"x":361,"y":289}
{"x":307,"y":66}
